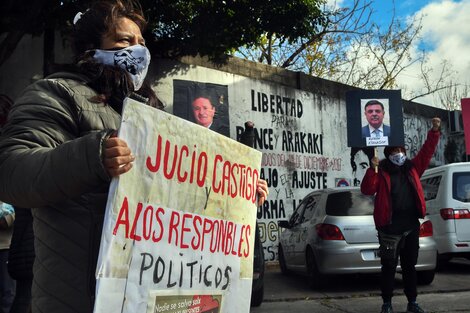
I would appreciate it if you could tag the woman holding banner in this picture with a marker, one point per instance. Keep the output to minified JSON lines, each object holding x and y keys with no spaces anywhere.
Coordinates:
{"x":59,"y":151}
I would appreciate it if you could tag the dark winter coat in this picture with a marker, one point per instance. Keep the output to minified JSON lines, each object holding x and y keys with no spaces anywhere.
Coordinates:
{"x":51,"y":161}
{"x":380,"y":184}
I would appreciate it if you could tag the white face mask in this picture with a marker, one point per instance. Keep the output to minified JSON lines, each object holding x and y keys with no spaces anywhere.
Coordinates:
{"x":397,"y":158}
{"x":134,"y":59}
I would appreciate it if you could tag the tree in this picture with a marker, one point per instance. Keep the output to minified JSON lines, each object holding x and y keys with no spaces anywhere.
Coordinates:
{"x":319,"y":51}
{"x":450,"y":97}
{"x":215,"y":28}
{"x":179,"y":27}
{"x":351,"y":49}
{"x":39,"y":17}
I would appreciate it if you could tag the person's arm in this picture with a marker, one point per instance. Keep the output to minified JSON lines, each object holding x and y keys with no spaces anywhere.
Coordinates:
{"x":43,"y":156}
{"x":248,"y":138}
{"x":370,"y":180}
{"x":423,"y":158}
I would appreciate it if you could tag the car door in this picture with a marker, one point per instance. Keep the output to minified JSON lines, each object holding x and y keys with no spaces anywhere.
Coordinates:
{"x":461,"y":201}
{"x":434,"y":188}
{"x":291,"y":235}
{"x":303,"y":228}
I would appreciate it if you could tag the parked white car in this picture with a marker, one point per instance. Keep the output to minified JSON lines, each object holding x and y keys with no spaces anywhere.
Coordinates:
{"x":447,"y":195}
{"x":332,"y":231}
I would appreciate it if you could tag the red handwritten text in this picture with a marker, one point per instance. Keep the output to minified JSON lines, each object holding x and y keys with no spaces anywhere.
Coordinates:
{"x":229,"y":178}
{"x":183,"y":229}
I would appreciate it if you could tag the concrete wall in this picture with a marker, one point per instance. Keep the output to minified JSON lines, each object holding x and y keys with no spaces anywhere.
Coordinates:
{"x":26,"y":64}
{"x":292,"y":173}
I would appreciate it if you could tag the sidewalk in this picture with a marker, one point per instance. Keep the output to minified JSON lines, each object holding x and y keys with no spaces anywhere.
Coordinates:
{"x":456,"y":302}
{"x":450,"y":293}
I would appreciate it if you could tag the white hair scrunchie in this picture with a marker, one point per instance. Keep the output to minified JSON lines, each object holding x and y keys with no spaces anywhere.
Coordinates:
{"x":78,"y":16}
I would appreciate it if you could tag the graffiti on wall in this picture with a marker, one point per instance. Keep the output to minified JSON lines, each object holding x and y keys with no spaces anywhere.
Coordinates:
{"x":302,"y":136}
{"x":296,"y":159}
{"x":416,"y":129}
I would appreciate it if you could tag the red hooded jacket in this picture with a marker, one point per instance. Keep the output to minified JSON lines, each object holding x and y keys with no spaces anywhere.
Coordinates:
{"x":380,"y":185}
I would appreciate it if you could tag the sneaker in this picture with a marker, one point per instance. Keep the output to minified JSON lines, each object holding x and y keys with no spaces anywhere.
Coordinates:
{"x":413,"y":307}
{"x":387,"y":308}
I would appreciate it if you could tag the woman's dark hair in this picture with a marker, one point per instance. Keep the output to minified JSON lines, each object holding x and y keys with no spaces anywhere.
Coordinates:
{"x":112,"y":83}
{"x":100,"y":19}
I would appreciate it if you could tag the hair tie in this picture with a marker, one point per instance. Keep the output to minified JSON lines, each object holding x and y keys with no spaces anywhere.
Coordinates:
{"x":78,"y":16}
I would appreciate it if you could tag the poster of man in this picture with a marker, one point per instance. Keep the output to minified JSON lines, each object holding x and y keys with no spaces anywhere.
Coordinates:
{"x":375,"y":118}
{"x":205,"y":104}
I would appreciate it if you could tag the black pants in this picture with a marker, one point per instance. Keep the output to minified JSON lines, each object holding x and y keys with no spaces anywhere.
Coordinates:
{"x":7,"y":284}
{"x":408,"y":252}
{"x":22,"y":302}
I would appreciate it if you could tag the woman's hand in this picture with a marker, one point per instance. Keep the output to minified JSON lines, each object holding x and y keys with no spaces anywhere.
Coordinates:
{"x":262,"y":190}
{"x":118,"y":157}
{"x":374,"y":162}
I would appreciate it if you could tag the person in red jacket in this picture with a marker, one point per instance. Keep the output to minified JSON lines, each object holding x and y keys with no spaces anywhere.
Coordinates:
{"x":399,"y":203}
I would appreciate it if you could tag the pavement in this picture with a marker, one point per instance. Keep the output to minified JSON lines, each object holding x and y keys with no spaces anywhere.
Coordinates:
{"x":449,"y":292}
{"x":455,"y":302}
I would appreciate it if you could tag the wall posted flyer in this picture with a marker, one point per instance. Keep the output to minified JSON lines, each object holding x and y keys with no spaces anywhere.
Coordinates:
{"x":178,"y":234}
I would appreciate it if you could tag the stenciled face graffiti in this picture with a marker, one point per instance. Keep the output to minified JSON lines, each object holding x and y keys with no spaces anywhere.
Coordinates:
{"x":359,"y":163}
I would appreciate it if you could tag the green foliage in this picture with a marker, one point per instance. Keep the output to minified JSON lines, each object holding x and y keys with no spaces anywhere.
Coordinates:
{"x":180,"y":27}
{"x":217,"y":27}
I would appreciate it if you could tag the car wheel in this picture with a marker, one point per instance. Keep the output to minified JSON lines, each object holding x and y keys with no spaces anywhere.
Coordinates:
{"x":282,"y":260}
{"x":425,"y":277}
{"x":441,"y":262}
{"x":257,"y":296}
{"x":314,"y":276}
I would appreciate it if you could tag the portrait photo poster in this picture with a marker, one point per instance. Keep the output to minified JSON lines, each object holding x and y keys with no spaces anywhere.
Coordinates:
{"x":185,"y":92}
{"x":374,"y":118}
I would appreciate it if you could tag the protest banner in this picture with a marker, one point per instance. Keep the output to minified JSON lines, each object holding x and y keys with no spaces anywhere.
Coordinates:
{"x":375,"y":119}
{"x":179,"y":227}
{"x":465,"y":103}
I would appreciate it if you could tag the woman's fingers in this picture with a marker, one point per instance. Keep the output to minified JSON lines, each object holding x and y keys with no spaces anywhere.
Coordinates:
{"x":262,"y":190}
{"x":118,"y":157}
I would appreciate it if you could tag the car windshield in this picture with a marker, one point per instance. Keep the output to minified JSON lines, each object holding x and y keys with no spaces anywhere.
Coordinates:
{"x":349,"y":203}
{"x":461,"y":186}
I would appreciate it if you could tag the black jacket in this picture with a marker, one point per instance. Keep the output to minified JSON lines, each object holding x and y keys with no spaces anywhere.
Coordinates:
{"x":51,"y":161}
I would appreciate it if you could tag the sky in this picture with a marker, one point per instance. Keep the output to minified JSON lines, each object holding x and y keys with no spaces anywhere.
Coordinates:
{"x":445,"y":36}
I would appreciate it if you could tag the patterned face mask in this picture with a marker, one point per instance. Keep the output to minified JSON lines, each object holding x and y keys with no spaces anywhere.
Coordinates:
{"x":397,"y":158}
{"x":134,"y":59}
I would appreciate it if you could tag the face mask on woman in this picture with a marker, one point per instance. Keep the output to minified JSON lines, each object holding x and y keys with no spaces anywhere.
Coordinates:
{"x":133,"y":59}
{"x":397,"y":158}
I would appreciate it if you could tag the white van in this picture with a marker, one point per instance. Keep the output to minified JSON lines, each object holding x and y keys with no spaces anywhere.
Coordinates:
{"x":447,"y":195}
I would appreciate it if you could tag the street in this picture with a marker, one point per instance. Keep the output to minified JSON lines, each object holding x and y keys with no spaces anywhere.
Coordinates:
{"x":449,"y":292}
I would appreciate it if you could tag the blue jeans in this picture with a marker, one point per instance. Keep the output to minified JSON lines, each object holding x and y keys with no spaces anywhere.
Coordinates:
{"x":7,"y":284}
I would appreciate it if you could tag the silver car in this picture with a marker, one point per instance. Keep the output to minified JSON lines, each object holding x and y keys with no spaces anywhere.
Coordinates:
{"x":332,"y":231}
{"x":447,"y":194}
